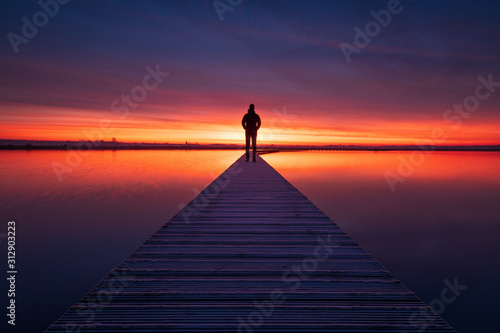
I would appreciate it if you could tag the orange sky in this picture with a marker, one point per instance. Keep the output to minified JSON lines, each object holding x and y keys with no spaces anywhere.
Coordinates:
{"x":279,"y":127}
{"x":202,"y":73}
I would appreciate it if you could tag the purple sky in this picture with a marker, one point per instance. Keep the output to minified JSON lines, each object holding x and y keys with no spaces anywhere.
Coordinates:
{"x":279,"y":55}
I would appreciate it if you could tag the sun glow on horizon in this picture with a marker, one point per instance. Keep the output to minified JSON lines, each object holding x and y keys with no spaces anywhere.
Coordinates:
{"x":53,"y":124}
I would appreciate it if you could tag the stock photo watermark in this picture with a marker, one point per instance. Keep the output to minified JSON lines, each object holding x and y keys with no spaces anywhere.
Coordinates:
{"x":211,"y":192}
{"x":11,"y":271}
{"x":424,"y":318}
{"x":121,"y":108}
{"x":372,"y":29}
{"x":30,"y":28}
{"x":280,"y":121}
{"x":95,"y":304}
{"x":292,"y":278}
{"x":455,"y":116}
{"x":222,"y":6}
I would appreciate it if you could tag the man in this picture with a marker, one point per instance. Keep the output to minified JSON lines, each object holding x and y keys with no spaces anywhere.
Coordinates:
{"x":251,"y":124}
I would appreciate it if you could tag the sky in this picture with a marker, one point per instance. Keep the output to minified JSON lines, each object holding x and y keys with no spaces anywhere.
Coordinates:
{"x":319,"y":72}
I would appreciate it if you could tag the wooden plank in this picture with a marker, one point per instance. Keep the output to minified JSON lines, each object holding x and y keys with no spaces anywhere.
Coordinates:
{"x":250,"y":253}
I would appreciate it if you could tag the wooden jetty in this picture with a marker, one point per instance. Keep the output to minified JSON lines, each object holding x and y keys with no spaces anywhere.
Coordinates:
{"x":250,"y":254}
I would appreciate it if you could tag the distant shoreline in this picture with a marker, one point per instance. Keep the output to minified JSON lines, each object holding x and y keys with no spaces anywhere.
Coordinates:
{"x":263,"y":149}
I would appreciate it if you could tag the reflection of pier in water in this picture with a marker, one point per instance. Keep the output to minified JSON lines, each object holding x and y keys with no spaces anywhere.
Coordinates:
{"x":248,"y":254}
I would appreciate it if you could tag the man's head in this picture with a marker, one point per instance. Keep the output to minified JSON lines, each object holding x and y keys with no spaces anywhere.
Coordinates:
{"x":251,"y":108}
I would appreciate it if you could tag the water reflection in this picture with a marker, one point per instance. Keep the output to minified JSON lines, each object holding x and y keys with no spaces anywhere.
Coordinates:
{"x":71,"y":234}
{"x":442,"y":222}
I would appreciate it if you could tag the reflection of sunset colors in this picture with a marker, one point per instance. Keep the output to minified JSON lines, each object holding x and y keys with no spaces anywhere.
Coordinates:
{"x":117,"y":171}
{"x":436,"y":165}
{"x":442,"y":221}
{"x":396,"y":91}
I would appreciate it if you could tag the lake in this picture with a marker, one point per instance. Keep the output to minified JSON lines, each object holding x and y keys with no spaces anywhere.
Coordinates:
{"x":441,"y":222}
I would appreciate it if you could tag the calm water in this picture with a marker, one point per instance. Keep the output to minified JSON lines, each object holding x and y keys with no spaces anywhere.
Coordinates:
{"x":441,"y":223}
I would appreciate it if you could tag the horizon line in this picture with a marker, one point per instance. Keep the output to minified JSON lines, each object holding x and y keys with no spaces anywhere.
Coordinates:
{"x":18,"y":143}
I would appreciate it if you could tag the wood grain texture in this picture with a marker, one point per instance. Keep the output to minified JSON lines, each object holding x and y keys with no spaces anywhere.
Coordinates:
{"x":250,"y":254}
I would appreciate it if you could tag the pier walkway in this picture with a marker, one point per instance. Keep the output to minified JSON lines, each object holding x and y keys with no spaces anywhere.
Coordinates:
{"x":250,"y":254}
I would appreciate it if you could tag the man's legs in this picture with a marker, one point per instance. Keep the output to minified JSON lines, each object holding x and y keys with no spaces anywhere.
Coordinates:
{"x":247,"y":140}
{"x":254,"y":146}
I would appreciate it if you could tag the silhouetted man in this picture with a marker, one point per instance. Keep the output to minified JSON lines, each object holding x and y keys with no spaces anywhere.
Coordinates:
{"x":251,"y":124}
